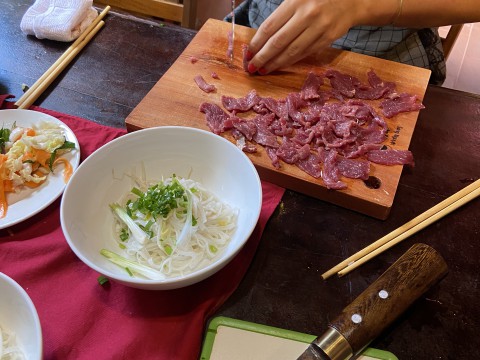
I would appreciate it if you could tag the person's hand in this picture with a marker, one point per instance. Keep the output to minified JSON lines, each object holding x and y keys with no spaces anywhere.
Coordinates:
{"x":299,"y":28}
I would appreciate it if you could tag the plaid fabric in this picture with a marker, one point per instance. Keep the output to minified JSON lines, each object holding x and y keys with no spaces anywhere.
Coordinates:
{"x":416,"y":47}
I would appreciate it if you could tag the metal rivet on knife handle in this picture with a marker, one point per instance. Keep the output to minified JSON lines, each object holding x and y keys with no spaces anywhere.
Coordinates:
{"x":357,"y":318}
{"x":383,"y":294}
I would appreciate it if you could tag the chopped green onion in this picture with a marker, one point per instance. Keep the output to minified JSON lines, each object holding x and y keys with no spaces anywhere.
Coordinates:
{"x":132,"y":266}
{"x":213,"y":248}
{"x":137,"y":191}
{"x":124,"y":235}
{"x":102,"y":280}
{"x":168,"y":249}
{"x":135,"y":230}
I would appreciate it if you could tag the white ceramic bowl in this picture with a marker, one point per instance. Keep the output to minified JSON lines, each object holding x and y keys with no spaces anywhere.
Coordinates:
{"x":18,"y":316}
{"x":216,"y":163}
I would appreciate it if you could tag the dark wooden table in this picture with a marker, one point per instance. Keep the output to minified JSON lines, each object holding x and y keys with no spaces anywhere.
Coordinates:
{"x":305,"y":236}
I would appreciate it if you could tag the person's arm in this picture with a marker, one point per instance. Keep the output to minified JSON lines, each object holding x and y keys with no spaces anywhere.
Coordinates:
{"x":299,"y":28}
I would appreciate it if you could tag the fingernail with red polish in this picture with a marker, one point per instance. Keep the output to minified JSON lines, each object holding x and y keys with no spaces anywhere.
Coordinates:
{"x":251,"y":68}
{"x":262,"y":71}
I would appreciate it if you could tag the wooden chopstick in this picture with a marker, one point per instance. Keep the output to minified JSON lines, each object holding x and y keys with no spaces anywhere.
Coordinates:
{"x":32,"y":94}
{"x":423,"y":220}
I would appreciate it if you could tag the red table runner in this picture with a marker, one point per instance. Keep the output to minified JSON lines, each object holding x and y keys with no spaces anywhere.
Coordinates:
{"x":81,"y":319}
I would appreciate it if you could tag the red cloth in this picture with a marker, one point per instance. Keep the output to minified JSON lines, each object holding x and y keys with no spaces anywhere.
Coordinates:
{"x":81,"y":319}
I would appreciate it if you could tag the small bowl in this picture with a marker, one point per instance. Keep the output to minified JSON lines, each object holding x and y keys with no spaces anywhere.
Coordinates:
{"x":213,"y":161}
{"x":19,"y":317}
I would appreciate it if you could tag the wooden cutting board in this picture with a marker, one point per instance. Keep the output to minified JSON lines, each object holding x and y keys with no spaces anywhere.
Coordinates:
{"x":175,"y":100}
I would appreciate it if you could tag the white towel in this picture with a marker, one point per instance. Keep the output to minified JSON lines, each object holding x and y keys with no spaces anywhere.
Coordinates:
{"x":61,"y":20}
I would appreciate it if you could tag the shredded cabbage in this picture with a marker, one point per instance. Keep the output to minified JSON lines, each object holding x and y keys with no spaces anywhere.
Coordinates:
{"x":47,"y":136}
{"x":187,"y":226}
{"x":9,"y":349}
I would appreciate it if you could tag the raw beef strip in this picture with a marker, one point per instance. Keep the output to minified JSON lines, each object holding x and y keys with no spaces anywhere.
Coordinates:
{"x":202,"y":84}
{"x":391,"y":157}
{"x":264,"y":136}
{"x":246,"y":127}
{"x":331,"y":173}
{"x":377,"y":88}
{"x":375,"y":81}
{"x":295,"y":103}
{"x":311,"y":86}
{"x":353,"y":151}
{"x":311,"y":165}
{"x":241,"y":104}
{"x":288,"y":152}
{"x":217,"y":120}
{"x":281,"y":127}
{"x":272,"y":154}
{"x":291,"y":153}
{"x":401,"y":103}
{"x":354,"y":169}
{"x":345,"y":84}
{"x":279,"y":107}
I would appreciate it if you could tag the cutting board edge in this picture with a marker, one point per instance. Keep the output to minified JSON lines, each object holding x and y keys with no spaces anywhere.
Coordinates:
{"x":320,"y":192}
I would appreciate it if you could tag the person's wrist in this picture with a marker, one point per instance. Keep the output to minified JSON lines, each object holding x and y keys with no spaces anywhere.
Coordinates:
{"x":373,"y":12}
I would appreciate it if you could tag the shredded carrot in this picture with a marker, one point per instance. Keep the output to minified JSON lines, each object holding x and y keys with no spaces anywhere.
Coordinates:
{"x":67,"y":171}
{"x":42,"y":157}
{"x":28,"y":156}
{"x":29,"y":132}
{"x":8,"y":185}
{"x":33,"y":184}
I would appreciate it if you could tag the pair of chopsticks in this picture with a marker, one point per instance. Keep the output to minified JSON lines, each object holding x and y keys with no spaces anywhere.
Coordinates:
{"x":32,"y":94}
{"x":423,"y":220}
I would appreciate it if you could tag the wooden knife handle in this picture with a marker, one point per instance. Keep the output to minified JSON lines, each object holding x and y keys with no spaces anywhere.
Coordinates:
{"x":390,"y":295}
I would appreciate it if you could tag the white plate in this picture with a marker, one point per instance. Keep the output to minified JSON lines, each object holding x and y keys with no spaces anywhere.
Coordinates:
{"x":29,"y":202}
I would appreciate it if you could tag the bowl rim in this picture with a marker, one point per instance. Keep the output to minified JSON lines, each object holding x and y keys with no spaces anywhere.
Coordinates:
{"x":31,"y":307}
{"x":168,"y":283}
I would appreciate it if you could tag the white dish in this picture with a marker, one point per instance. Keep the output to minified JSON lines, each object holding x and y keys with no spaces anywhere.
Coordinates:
{"x":19,"y":317}
{"x":29,"y":202}
{"x":213,"y":161}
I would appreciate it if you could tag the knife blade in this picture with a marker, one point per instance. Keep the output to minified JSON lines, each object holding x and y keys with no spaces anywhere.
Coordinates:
{"x":379,"y":305}
{"x":231,"y":35}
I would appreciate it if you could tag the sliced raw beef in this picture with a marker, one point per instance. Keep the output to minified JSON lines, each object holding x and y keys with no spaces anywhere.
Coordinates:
{"x":311,"y":87}
{"x":354,"y":169}
{"x":241,"y":104}
{"x":343,"y":83}
{"x":391,"y":157}
{"x":203,"y":85}
{"x":311,"y":165}
{"x":217,"y":120}
{"x":272,"y":154}
{"x":330,"y":172}
{"x":401,"y":103}
{"x":263,"y":135}
{"x":246,"y":127}
{"x":310,"y":129}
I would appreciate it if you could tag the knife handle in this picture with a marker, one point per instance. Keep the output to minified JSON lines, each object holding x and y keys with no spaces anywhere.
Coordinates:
{"x":389,"y":296}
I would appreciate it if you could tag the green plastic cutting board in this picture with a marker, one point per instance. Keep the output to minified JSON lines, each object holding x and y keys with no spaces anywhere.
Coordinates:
{"x":232,"y":339}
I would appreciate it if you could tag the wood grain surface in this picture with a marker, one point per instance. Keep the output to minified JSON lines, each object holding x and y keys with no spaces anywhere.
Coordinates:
{"x":175,"y":100}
